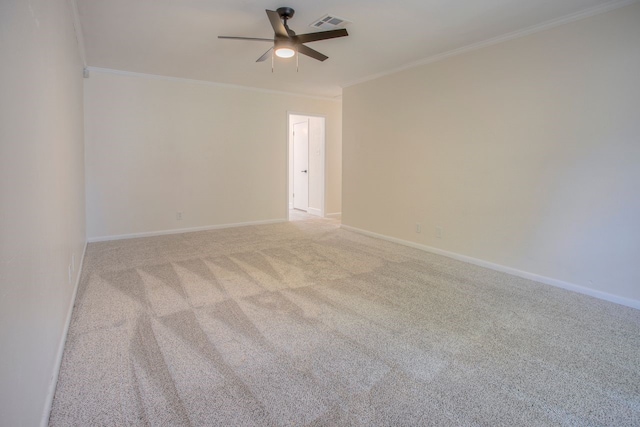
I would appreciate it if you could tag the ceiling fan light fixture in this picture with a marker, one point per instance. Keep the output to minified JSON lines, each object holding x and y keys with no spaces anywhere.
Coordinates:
{"x":285,"y":52}
{"x":286,"y":43}
{"x":284,"y":49}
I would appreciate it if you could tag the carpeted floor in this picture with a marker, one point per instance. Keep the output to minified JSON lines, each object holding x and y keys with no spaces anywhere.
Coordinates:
{"x":303,"y":323}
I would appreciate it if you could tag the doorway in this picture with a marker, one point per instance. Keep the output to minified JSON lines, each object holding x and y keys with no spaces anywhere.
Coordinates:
{"x":306,"y":164}
{"x":300,"y":148}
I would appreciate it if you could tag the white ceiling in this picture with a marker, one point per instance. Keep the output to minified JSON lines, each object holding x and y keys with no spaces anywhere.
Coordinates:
{"x":178,"y":38}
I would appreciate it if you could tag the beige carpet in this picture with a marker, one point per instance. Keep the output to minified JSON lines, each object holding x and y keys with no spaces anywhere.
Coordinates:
{"x":303,"y":323}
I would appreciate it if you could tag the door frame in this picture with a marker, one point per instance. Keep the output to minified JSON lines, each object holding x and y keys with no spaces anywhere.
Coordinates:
{"x":323,"y":159}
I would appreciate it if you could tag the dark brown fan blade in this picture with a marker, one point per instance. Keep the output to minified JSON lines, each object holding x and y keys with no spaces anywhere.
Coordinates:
{"x":266,"y":55}
{"x":276,"y":23}
{"x":322,"y":35}
{"x":310,"y":52}
{"x":246,"y":38}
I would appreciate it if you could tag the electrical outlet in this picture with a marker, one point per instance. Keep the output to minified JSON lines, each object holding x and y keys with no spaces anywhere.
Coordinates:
{"x":439,"y":232}
{"x":418,"y":227}
{"x":179,"y":216}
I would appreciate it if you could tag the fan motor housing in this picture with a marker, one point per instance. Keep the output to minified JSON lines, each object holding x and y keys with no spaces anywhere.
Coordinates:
{"x":285,"y":12}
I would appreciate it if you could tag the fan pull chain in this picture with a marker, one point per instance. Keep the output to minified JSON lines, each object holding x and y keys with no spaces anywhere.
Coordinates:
{"x":272,"y":58}
{"x":297,"y":60}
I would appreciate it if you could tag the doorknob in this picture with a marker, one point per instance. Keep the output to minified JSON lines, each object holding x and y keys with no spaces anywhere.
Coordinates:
{"x":305,"y":171}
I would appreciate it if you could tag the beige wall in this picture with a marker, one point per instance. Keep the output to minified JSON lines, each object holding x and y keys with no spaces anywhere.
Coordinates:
{"x":218,"y":154}
{"x":42,"y":198}
{"x":526,"y":154}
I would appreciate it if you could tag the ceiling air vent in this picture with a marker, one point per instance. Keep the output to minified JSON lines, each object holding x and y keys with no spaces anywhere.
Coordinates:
{"x":330,"y":22}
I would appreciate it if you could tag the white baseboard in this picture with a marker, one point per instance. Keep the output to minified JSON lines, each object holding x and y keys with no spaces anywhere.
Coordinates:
{"x":314,"y":211}
{"x":58,"y":362}
{"x":504,"y":269}
{"x":181,"y":230}
{"x":334,"y":215}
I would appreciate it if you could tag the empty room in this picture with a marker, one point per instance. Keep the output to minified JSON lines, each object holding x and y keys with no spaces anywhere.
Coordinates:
{"x":338,"y":213}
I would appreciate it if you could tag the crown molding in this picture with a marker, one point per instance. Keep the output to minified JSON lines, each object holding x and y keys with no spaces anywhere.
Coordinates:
{"x":208,"y":83}
{"x":592,"y":11}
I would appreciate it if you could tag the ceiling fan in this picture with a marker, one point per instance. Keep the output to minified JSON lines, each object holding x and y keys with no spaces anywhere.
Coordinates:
{"x":285,"y":41}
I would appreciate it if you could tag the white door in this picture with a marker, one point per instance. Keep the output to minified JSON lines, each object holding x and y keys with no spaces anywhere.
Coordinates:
{"x":301,"y":165}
